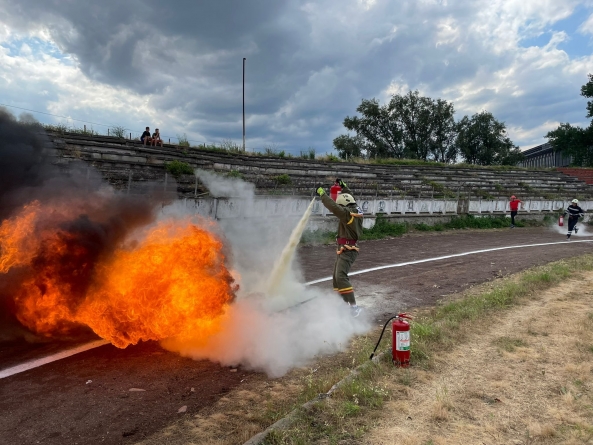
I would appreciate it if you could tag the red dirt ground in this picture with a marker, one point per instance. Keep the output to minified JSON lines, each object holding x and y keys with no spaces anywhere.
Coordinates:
{"x":54,"y":404}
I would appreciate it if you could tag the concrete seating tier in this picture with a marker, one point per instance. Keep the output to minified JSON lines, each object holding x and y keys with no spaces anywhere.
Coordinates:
{"x":129,"y":165}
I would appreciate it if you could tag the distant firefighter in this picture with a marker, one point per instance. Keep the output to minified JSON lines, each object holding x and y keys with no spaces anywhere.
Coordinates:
{"x":574,"y":212}
{"x":349,"y":232}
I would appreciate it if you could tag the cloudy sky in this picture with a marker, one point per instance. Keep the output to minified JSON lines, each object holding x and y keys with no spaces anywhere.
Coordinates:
{"x":177,"y":64}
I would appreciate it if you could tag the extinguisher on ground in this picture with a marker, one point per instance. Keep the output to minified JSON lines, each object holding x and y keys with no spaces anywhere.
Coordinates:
{"x":561,"y":221}
{"x":334,"y":191}
{"x":400,"y":347}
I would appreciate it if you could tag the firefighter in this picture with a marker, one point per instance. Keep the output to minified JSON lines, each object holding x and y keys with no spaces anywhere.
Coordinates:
{"x":349,"y":232}
{"x":574,"y":212}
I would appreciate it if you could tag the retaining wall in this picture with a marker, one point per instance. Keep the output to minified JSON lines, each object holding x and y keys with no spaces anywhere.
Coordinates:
{"x":427,"y":211}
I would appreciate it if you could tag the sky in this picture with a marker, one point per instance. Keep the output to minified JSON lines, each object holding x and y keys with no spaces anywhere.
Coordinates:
{"x":178,"y":64}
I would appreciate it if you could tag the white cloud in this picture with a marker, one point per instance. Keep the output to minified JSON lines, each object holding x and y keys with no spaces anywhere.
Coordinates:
{"x":587,"y":26}
{"x":308,"y":64}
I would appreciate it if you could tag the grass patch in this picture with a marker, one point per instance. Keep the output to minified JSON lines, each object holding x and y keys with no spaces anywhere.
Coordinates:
{"x":235,"y":174}
{"x":182,"y":140}
{"x":348,"y":413}
{"x":384,"y":228}
{"x":510,"y":344}
{"x":282,"y":179}
{"x":178,"y":168}
{"x":439,"y":189}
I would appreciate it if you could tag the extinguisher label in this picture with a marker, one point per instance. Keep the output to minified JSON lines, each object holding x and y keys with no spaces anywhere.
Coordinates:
{"x":402,"y":341}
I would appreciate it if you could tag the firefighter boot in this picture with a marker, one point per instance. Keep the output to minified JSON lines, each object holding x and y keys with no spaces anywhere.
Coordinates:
{"x":355,"y":310}
{"x":576,"y":230}
{"x":568,"y":236}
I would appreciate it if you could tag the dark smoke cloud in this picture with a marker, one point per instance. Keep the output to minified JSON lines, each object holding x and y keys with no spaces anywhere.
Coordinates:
{"x":24,"y":163}
{"x":102,"y":218}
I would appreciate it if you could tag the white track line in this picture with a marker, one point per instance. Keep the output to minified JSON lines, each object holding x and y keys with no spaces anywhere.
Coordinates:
{"x":60,"y":355}
{"x":50,"y":358}
{"x":444,"y":257}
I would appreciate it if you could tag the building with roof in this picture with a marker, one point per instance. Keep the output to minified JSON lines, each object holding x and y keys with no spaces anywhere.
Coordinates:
{"x":544,"y":156}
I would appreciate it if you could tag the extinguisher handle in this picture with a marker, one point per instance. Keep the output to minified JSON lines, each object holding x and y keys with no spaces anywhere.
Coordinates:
{"x":405,"y":315}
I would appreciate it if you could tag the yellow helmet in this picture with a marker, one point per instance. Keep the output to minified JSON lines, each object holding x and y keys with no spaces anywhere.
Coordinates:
{"x":344,"y":199}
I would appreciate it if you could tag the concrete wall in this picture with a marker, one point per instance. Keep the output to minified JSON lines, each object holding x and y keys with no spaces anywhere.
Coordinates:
{"x":398,"y":210}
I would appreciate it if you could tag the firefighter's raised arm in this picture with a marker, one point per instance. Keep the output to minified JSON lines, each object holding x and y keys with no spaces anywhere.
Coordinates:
{"x":342,"y":213}
{"x":345,"y":188}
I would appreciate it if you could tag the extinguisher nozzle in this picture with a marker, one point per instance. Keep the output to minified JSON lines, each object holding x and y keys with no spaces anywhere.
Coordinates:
{"x":372,"y":355}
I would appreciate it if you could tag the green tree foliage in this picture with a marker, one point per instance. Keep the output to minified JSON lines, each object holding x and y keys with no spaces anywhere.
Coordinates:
{"x":442,"y":144}
{"x":375,"y":125}
{"x":418,"y":127}
{"x":576,"y":141}
{"x":587,"y":91}
{"x":350,"y":146}
{"x":409,"y":126}
{"x":483,"y":140}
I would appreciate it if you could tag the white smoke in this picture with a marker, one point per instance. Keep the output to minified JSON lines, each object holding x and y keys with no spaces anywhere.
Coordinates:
{"x":582,"y":226}
{"x":275,"y":342}
{"x":270,"y":333}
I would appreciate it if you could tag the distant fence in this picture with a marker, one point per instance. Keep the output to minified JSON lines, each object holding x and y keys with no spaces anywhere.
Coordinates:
{"x":219,"y":208}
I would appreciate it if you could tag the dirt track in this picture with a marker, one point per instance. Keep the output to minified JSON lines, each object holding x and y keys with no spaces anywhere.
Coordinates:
{"x":54,"y":404}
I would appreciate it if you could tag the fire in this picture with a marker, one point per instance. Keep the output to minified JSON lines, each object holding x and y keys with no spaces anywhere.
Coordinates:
{"x":171,"y":283}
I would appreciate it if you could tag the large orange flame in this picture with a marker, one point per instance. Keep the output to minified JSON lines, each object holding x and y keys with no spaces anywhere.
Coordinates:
{"x":172,"y":283}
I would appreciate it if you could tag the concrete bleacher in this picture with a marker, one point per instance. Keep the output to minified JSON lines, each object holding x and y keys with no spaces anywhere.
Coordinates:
{"x":584,"y":174}
{"x":130,"y":165}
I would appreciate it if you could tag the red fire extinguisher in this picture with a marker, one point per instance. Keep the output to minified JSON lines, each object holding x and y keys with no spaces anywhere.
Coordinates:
{"x":400,"y":347}
{"x":561,"y":221}
{"x":334,"y":191}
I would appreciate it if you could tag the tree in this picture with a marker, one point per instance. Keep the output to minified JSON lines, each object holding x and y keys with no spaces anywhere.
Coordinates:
{"x":409,"y":125}
{"x":483,"y":140}
{"x":415,"y":116}
{"x":383,"y":134}
{"x":348,"y":146}
{"x":442,"y":146}
{"x":573,"y":141}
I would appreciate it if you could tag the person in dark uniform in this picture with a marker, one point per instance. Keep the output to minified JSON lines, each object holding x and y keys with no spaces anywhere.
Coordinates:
{"x":574,"y":212}
{"x":349,"y":232}
{"x":145,"y":138}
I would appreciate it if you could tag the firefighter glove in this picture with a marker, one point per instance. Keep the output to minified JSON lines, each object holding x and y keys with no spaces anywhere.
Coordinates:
{"x":319,"y":190}
{"x":341,"y":183}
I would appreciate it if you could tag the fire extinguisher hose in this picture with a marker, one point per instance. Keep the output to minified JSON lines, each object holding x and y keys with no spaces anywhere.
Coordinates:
{"x":402,"y":315}
{"x":382,"y":332}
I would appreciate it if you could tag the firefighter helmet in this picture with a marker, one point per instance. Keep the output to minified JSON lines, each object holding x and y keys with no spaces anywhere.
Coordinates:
{"x":344,"y":199}
{"x":575,"y":201}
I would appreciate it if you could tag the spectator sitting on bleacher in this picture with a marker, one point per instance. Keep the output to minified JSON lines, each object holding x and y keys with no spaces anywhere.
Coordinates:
{"x":156,"y":138}
{"x":145,"y":138}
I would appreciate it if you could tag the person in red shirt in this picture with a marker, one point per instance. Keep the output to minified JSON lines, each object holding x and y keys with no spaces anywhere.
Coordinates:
{"x":514,"y":204}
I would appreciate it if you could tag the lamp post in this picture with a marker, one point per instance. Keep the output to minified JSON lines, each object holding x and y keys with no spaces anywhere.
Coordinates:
{"x":244,"y":59}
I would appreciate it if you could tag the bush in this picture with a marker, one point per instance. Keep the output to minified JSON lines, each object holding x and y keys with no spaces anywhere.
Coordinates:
{"x":118,"y":131}
{"x":383,"y":228}
{"x":58,"y":128}
{"x":235,"y":174}
{"x":183,"y":141}
{"x":230,"y":145}
{"x":178,"y":168}
{"x":283,"y":179}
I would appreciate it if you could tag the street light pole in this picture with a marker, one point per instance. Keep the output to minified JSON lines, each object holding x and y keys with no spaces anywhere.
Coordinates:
{"x":244,"y":59}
